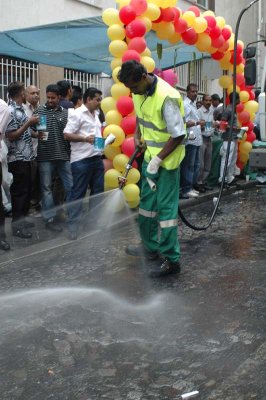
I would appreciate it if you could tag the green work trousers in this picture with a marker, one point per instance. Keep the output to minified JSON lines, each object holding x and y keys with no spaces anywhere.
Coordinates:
{"x":158,"y":211}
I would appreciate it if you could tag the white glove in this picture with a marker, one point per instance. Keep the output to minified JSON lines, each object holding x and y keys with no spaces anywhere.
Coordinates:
{"x":154,"y":165}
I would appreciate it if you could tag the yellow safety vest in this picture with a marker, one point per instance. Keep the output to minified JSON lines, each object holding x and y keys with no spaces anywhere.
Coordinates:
{"x":152,"y":125}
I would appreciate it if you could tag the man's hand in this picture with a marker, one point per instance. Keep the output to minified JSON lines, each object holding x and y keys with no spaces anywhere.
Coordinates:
{"x":154,"y":165}
{"x":140,"y":144}
{"x":34,"y":120}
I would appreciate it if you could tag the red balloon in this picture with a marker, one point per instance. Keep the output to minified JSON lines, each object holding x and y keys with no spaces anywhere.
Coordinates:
{"x":239,"y":48}
{"x":251,"y":136}
{"x":128,"y":124}
{"x":168,"y":14}
{"x":240,"y":79}
{"x":195,"y":10}
{"x":138,"y":44}
{"x":127,"y":14}
{"x":224,"y":47}
{"x":130,"y":55}
{"x":218,"y":42}
{"x":239,"y":108}
{"x":215,"y":32}
{"x":180,"y":25}
{"x":251,"y":96}
{"x":244,"y":117}
{"x":139,"y":5}
{"x":226,"y":33}
{"x":250,"y":126}
{"x":125,"y":105}
{"x":128,"y":146}
{"x":211,"y":21}
{"x":190,"y":36}
{"x":136,"y":28}
{"x":240,"y":165}
{"x":239,"y":59}
{"x":217,"y":55}
{"x":160,"y":18}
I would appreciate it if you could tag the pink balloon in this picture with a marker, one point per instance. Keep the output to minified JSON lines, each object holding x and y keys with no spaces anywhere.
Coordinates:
{"x":170,"y":77}
{"x":136,"y":28}
{"x":128,"y":146}
{"x":131,"y":55}
{"x":125,"y":105}
{"x":127,"y":14}
{"x":128,"y":124}
{"x":140,"y":6}
{"x":138,"y":44}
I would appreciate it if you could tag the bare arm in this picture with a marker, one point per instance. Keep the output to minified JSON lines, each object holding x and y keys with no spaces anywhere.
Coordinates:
{"x":15,"y":135}
{"x":73,"y":137}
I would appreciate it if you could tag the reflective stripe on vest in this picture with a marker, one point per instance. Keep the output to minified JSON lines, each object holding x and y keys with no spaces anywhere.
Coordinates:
{"x":152,"y":125}
{"x":168,"y":224}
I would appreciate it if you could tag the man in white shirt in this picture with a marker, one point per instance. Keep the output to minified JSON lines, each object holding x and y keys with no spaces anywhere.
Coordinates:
{"x":191,"y":163}
{"x":83,"y":126}
{"x":4,"y":118}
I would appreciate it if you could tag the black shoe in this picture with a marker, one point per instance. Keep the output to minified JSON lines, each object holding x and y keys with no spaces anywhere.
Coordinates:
{"x":183,"y":196}
{"x":206,"y":187}
{"x":166,"y":268}
{"x":4,"y":245}
{"x":21,"y":233}
{"x":73,"y":235}
{"x":28,"y":224}
{"x":52,"y":226}
{"x":140,"y":251}
{"x":233,"y":183}
{"x":200,"y":188}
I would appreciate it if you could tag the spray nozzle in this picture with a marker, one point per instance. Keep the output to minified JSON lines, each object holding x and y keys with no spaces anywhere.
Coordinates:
{"x":122,"y":180}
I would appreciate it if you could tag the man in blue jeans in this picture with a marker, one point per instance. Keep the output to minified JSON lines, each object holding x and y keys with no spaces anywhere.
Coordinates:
{"x":83,"y":126}
{"x":53,"y":155}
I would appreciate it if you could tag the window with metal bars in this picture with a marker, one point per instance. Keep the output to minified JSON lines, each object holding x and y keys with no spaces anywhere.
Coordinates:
{"x":191,"y":73}
{"x":16,"y":70}
{"x":84,"y":79}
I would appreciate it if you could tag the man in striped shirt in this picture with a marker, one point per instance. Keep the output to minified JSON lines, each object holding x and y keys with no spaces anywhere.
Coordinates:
{"x":53,"y":155}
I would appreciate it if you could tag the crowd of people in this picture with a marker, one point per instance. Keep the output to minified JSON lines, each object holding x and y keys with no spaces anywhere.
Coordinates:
{"x":52,"y":159}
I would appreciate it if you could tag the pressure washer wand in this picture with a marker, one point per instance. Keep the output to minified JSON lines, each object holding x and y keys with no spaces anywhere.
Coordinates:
{"x":122,"y":180}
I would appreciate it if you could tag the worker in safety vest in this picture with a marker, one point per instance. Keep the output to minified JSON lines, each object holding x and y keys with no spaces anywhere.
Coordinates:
{"x":160,"y":133}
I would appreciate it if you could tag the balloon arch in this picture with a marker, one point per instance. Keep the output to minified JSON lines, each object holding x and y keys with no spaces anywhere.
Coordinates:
{"x":127,"y":28}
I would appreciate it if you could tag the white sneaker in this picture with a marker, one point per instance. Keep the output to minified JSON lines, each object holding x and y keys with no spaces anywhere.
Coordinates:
{"x":195,"y":191}
{"x":192,"y":194}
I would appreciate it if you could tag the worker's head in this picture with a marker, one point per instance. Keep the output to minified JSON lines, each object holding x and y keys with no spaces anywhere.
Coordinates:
{"x":192,"y":91}
{"x":206,"y":101}
{"x":134,"y":76}
{"x":92,"y":99}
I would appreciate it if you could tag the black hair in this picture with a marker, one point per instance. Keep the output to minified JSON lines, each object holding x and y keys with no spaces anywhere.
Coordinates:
{"x":76,"y":94}
{"x":64,"y":87}
{"x":191,"y":85}
{"x":231,"y":97}
{"x":53,"y":88}
{"x":215,"y":97}
{"x":77,"y":89}
{"x":131,"y":70}
{"x":15,"y":88}
{"x":204,"y":96}
{"x":90,"y":93}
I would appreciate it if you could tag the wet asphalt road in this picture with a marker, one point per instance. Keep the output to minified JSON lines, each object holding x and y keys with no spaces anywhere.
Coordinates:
{"x":82,"y":320}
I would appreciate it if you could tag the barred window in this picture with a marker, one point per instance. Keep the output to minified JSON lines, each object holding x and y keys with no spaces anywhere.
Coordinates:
{"x":84,"y":79}
{"x":17,"y":70}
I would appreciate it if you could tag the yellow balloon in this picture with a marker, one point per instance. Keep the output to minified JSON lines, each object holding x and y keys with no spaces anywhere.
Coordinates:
{"x":231,"y":41}
{"x":117,"y":131}
{"x":240,"y":68}
{"x":107,"y":104}
{"x":133,"y":204}
{"x":152,"y":12}
{"x":209,"y":12}
{"x":123,"y":3}
{"x":118,"y":90}
{"x":156,"y":2}
{"x":113,"y":117}
{"x":148,"y":63}
{"x":200,"y":24}
{"x":230,"y":89}
{"x":111,"y":178}
{"x":165,"y":30}
{"x":131,"y":192}
{"x":168,"y":3}
{"x":147,"y":22}
{"x":244,"y":96}
{"x":146,"y":52}
{"x":110,"y":152}
{"x":251,"y":106}
{"x":116,"y":32}
{"x":110,"y":16}
{"x":189,"y":17}
{"x":225,"y":81}
{"x":116,"y":62}
{"x":120,"y":161}
{"x":133,"y":175}
{"x":117,"y":48}
{"x":175,"y":38}
{"x":220,"y":21}
{"x":243,"y":157}
{"x":245,"y":147}
{"x":115,"y":73}
{"x":203,"y":42}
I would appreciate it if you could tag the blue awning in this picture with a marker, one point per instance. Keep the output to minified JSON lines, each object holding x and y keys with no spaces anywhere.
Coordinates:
{"x":81,"y":45}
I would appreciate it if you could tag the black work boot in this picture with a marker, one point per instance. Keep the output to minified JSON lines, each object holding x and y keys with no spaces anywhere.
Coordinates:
{"x":140,"y":251}
{"x":165,"y":268}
